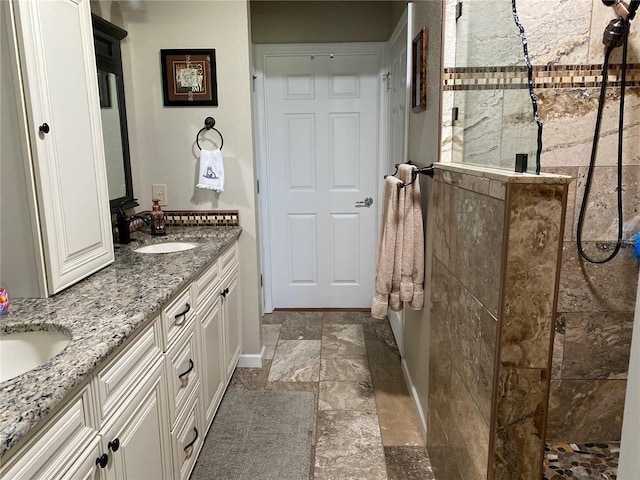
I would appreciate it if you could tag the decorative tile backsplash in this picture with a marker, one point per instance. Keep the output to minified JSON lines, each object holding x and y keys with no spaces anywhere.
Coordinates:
{"x":189,"y":218}
{"x":544,"y":76}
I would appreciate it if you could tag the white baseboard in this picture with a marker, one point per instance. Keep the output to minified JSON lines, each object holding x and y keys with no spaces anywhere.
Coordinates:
{"x":414,"y":394}
{"x":251,"y":361}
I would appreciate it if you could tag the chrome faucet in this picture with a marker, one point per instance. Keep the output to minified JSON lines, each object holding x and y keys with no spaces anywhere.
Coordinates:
{"x":123,"y":221}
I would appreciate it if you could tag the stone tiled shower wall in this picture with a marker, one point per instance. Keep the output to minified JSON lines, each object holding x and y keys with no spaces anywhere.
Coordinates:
{"x":595,"y":302}
{"x":495,"y":264}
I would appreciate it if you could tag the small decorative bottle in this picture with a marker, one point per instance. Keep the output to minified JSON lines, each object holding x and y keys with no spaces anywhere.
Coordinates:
{"x":157,"y":219}
{"x":4,"y":301}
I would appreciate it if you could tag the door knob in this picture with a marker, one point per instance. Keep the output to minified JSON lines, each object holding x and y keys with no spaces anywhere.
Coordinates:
{"x":367,"y":202}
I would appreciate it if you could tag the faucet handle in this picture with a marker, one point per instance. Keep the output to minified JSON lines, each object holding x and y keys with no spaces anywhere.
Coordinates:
{"x":129,"y":203}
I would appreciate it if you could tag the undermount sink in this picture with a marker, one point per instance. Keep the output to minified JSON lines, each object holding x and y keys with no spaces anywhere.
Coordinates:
{"x":24,"y":351}
{"x":166,"y":247}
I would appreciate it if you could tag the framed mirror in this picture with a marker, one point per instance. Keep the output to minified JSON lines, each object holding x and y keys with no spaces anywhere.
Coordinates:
{"x":107,"y":37}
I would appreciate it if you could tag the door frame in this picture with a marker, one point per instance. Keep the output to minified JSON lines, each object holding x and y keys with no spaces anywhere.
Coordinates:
{"x":261,"y":52}
{"x":396,"y":319}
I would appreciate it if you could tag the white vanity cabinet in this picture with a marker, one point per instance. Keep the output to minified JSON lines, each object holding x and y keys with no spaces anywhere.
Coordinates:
{"x":218,"y":315}
{"x":62,"y":448}
{"x":145,"y":413}
{"x":59,"y":112}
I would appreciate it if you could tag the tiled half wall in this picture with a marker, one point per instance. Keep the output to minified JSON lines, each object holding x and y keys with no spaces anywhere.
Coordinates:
{"x":496,"y":262}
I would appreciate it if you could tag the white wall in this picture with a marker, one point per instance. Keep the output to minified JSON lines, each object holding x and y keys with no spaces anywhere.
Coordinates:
{"x":162,"y":139}
{"x":323,"y":21}
{"x":424,"y":148}
{"x":20,"y":273}
{"x":629,"y":466}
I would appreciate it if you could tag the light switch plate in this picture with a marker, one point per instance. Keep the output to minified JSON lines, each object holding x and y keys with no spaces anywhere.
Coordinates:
{"x":159,"y":192}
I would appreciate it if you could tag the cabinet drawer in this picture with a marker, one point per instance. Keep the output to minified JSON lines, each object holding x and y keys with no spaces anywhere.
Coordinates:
{"x":228,"y":259}
{"x":61,"y":440}
{"x":183,"y":371}
{"x":187,"y":439}
{"x":176,"y":316}
{"x":208,"y":282}
{"x":121,"y":375}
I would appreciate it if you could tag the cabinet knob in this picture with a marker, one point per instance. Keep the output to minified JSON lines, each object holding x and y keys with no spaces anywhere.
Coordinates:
{"x":102,"y":460}
{"x":224,"y":292}
{"x":114,"y":444}
{"x":44,"y":128}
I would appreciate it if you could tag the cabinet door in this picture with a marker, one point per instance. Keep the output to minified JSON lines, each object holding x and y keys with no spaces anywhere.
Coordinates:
{"x":213,"y":374}
{"x":58,"y":74}
{"x":137,"y":440}
{"x":231,"y":323}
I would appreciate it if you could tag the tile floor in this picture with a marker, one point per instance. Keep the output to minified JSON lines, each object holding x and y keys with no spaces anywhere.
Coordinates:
{"x":366,"y":425}
{"x":591,"y":461}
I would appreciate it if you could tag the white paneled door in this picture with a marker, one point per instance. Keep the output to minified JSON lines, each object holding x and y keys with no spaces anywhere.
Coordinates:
{"x":322,"y":122}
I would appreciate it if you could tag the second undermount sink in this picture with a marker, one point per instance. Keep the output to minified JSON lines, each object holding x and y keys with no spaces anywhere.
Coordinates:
{"x":24,"y":351}
{"x":166,"y":247}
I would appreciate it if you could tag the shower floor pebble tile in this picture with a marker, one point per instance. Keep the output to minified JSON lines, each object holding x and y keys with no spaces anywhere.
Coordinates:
{"x":591,"y":461}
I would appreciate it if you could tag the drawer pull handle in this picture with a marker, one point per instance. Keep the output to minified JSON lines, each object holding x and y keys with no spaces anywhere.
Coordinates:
{"x":224,"y":292}
{"x":188,"y":371}
{"x":114,"y":445}
{"x":102,"y":460}
{"x":192,"y":443}
{"x":184,"y":312}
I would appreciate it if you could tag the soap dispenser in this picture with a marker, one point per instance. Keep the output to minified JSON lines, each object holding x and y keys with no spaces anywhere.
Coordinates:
{"x":157,"y":219}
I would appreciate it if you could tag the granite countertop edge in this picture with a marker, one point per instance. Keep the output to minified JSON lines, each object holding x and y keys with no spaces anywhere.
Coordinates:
{"x":99,"y":313}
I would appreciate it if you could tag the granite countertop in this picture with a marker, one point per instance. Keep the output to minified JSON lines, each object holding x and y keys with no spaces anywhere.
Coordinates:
{"x":99,"y":313}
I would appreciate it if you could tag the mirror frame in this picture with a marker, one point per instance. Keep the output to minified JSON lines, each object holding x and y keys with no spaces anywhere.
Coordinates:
{"x":107,"y":33}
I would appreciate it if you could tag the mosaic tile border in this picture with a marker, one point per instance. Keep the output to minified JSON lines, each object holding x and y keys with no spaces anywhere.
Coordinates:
{"x":189,"y":218}
{"x":544,"y":76}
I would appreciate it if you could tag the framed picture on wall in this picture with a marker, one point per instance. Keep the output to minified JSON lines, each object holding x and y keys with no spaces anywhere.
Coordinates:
{"x":419,"y":72}
{"x":189,"y":77}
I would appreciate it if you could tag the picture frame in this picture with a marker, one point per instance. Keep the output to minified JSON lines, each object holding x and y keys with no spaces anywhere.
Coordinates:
{"x":419,"y":72}
{"x":189,"y":77}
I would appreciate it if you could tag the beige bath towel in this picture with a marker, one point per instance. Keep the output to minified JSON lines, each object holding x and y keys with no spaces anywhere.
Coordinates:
{"x":412,"y":266}
{"x":387,"y":251}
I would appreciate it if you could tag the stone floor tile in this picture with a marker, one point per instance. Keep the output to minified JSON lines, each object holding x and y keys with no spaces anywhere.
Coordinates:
{"x":343,"y":318}
{"x":346,"y":396}
{"x":302,"y":328}
{"x":343,"y":341}
{"x":251,"y":378}
{"x":270,"y":336}
{"x":296,"y":361}
{"x":398,"y":416}
{"x":408,"y":463}
{"x":348,"y":447}
{"x":344,"y":369}
{"x":384,"y":359}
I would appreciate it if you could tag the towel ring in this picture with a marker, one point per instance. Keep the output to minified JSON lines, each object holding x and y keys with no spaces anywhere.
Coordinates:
{"x":209,"y":123}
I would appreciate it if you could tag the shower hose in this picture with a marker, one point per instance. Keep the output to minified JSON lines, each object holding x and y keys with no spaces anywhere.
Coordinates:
{"x":594,"y":148}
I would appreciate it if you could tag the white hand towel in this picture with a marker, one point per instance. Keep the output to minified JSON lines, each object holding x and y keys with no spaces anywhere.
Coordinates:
{"x":211,"y":174}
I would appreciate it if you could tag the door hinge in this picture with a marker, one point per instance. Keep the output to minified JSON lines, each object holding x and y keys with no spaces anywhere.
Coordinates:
{"x":454,"y":114}
{"x":387,"y":79}
{"x":458,"y":10}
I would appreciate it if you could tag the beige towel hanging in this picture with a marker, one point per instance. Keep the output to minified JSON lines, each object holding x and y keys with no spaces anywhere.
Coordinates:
{"x":386,"y":257}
